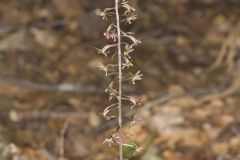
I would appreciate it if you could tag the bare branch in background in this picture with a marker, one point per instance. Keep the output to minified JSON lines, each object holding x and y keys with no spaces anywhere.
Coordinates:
{"x":66,"y":87}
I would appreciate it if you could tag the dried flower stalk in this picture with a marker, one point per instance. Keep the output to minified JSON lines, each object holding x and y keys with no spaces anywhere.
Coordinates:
{"x":125,"y":41}
{"x":119,"y":80}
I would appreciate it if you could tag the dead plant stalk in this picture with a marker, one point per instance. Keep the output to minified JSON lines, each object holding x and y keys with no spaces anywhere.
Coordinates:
{"x":119,"y":80}
{"x":120,"y":71}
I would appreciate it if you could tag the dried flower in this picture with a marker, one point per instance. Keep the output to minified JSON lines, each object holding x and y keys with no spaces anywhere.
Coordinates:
{"x":105,"y":49}
{"x":134,"y":101}
{"x":132,"y":38}
{"x":109,"y":141}
{"x":101,"y":14}
{"x":127,"y":7}
{"x":135,"y":77}
{"x":108,"y":69}
{"x":111,"y":91}
{"x":108,"y":109}
{"x":113,"y":138}
{"x":128,"y":49}
{"x":111,"y":32}
{"x":131,"y":17}
{"x":106,"y":12}
{"x":127,"y":63}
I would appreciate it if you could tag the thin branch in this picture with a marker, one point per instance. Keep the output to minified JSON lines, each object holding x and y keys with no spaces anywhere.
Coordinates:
{"x":62,"y":138}
{"x":65,"y":87}
{"x":33,"y":115}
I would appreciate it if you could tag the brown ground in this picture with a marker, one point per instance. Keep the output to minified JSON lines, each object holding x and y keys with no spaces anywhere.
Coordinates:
{"x":48,"y":76}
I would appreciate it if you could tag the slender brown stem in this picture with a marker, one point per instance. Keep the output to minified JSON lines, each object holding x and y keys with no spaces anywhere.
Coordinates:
{"x":119,"y":80}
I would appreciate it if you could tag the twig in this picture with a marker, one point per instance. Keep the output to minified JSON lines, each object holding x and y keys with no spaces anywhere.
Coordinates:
{"x":30,"y":115}
{"x":233,"y":88}
{"x":163,"y":99}
{"x":227,"y":52}
{"x":66,"y":87}
{"x":62,"y":138}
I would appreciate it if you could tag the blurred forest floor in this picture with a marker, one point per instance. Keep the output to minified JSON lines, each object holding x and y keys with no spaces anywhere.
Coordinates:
{"x":48,"y":76}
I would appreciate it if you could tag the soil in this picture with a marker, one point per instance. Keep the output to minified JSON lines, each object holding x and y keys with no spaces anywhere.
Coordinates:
{"x":49,"y":77}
